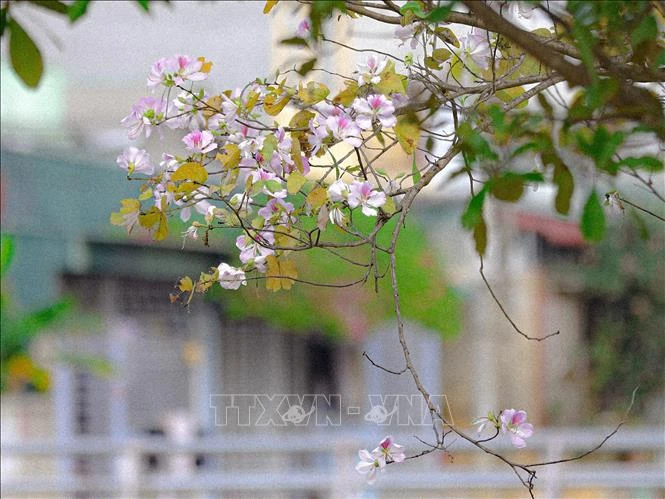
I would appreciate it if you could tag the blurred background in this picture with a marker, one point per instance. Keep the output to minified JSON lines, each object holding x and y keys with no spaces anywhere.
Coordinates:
{"x":110,"y":390}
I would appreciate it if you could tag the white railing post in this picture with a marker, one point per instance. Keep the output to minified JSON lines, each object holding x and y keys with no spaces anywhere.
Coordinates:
{"x":180,"y":430}
{"x":128,"y":469}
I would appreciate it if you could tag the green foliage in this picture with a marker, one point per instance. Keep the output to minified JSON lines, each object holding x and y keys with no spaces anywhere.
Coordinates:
{"x":25,"y":56}
{"x":624,"y":277}
{"x":18,"y":331}
{"x":424,"y":295}
{"x":593,"y":219}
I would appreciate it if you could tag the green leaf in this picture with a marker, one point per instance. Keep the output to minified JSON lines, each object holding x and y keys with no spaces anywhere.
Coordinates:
{"x":566,"y":185}
{"x":53,"y":5}
{"x":296,"y":40}
{"x":480,"y":236}
{"x":440,"y":13}
{"x":473,"y":143}
{"x":306,"y":67}
{"x":3,"y":20}
{"x":25,"y":56}
{"x":473,"y":215}
{"x":413,"y":6}
{"x":432,"y":63}
{"x":508,"y":187}
{"x":593,"y":219}
{"x":77,"y":9}
{"x":648,"y":163}
{"x":6,"y":253}
{"x":144,"y":4}
{"x":441,"y":55}
{"x":645,"y":31}
{"x":414,"y":170}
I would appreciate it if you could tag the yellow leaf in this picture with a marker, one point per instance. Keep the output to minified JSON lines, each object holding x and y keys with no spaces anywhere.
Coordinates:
{"x":280,"y":273}
{"x":289,"y":272}
{"x":252,"y":99}
{"x":389,"y":206}
{"x":162,"y":228}
{"x":295,"y":153}
{"x":269,"y":5}
{"x":314,"y":92}
{"x":214,"y":102}
{"x":274,"y":103}
{"x":391,"y":81}
{"x":146,"y":193}
{"x":509,"y":94}
{"x":186,"y":284}
{"x":186,"y":187}
{"x":190,"y":171}
{"x":317,"y":197}
{"x":229,"y":156}
{"x":295,"y":181}
{"x":206,"y":66}
{"x":301,"y":119}
{"x":151,"y":218}
{"x":346,"y":96}
{"x":407,"y":131}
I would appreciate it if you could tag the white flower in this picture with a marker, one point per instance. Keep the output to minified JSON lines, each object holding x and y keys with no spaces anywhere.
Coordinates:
{"x":338,"y":191}
{"x":337,"y":216}
{"x":369,"y":464}
{"x":230,"y":277}
{"x":137,"y":160}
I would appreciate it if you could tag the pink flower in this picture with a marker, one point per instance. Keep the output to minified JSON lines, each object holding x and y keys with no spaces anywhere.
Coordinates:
{"x":345,"y":129}
{"x":253,"y":250}
{"x":171,"y":71}
{"x":147,"y":112}
{"x":514,"y":423}
{"x":390,"y":451}
{"x":304,"y":29}
{"x":406,"y":34}
{"x":316,"y":138}
{"x":370,"y":71}
{"x":200,"y":141}
{"x":375,"y":106}
{"x":230,"y":277}
{"x":369,"y":464}
{"x":272,"y":184}
{"x":277,"y":211}
{"x":137,"y":160}
{"x":362,"y":194}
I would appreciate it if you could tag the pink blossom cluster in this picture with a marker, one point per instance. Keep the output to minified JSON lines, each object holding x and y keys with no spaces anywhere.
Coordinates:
{"x":510,"y":422}
{"x":373,"y":462}
{"x":263,"y":157}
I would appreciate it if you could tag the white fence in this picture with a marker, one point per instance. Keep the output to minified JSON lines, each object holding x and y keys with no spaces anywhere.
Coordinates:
{"x":320,"y":464}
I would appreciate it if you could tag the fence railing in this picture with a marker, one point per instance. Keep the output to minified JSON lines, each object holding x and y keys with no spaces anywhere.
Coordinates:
{"x":322,"y":464}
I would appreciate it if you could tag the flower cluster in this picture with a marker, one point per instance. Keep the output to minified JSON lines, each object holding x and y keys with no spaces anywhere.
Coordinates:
{"x":510,"y":422}
{"x":372,"y":462}
{"x":240,"y":168}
